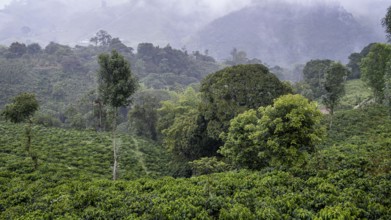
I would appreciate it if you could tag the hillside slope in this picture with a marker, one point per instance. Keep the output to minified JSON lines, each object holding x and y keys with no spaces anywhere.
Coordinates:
{"x":70,"y":154}
{"x":286,"y":33}
{"x":349,"y":178}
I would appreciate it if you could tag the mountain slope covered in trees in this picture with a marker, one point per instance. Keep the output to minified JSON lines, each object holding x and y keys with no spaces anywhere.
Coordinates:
{"x":276,"y":32}
{"x":286,"y":33}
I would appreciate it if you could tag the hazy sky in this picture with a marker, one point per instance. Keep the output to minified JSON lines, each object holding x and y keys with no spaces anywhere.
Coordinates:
{"x":359,"y":7}
{"x":4,"y":2}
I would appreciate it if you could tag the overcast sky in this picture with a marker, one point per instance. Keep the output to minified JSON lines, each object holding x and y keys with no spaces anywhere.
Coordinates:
{"x":358,"y":7}
{"x":4,"y":2}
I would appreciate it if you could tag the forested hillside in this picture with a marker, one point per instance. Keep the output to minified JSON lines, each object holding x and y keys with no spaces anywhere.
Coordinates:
{"x":108,"y":131}
{"x":286,"y":33}
{"x":64,"y":77}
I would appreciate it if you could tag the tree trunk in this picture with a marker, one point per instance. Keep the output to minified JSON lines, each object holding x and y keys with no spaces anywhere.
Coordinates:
{"x":28,"y":136}
{"x":100,"y":116}
{"x":33,"y":155}
{"x":331,"y":119}
{"x":115,"y":172}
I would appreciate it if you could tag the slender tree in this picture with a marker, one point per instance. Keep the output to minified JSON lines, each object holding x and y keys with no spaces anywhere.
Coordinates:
{"x":387,"y":87}
{"x":116,"y":84}
{"x":313,"y":73}
{"x":101,"y":38}
{"x":386,"y":22}
{"x":20,"y":110}
{"x":334,"y":86}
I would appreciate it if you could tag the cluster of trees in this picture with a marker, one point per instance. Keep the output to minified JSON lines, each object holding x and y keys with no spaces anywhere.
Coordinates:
{"x":220,"y":117}
{"x":193,"y":123}
{"x":324,"y":79}
{"x":64,"y":78}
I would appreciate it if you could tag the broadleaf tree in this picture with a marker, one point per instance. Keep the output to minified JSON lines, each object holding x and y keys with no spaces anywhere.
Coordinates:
{"x":279,"y":135}
{"x":116,"y":84}
{"x":233,"y":90}
{"x":373,"y":69}
{"x":183,"y":128}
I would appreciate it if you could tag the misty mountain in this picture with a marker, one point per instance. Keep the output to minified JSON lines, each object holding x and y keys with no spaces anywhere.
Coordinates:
{"x":286,"y":33}
{"x":277,"y":32}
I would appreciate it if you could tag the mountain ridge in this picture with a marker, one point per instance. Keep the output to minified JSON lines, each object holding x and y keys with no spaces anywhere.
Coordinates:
{"x":286,"y":33}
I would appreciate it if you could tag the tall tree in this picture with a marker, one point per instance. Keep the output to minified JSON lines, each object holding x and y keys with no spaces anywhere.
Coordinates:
{"x":313,"y":74}
{"x":334,"y":85}
{"x":22,"y":109}
{"x":34,"y":48}
{"x":354,"y":62}
{"x":16,"y":50}
{"x":386,"y":22}
{"x":233,"y":90}
{"x":116,"y":84}
{"x":373,"y":69}
{"x":23,"y":106}
{"x":101,"y":38}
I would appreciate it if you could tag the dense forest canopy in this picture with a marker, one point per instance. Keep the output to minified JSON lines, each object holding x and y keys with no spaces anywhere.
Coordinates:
{"x":105,"y":130}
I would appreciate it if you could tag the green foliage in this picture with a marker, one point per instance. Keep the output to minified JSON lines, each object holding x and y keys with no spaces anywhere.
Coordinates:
{"x":233,"y":90}
{"x":334,"y":85}
{"x":347,"y":178}
{"x":22,"y":108}
{"x":387,"y":86}
{"x":373,"y":69}
{"x":354,"y":62}
{"x":63,"y":77}
{"x":143,"y":116}
{"x":280,"y":135}
{"x":239,"y":146}
{"x":243,"y":195}
{"x":116,"y":82}
{"x":115,"y":86}
{"x":208,"y":165}
{"x":314,"y":75}
{"x":354,"y":65}
{"x":101,"y":38}
{"x":363,"y":147}
{"x":240,"y":57}
{"x":34,"y":48}
{"x":288,"y":130}
{"x":71,"y":154}
{"x":180,"y":104}
{"x":183,"y":128}
{"x":169,"y":81}
{"x":356,"y":93}
{"x":16,"y":50}
{"x":161,"y":63}
{"x":386,"y":22}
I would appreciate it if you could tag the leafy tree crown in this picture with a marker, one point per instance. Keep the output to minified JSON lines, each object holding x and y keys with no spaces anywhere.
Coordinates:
{"x":22,"y":107}
{"x":115,"y":79}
